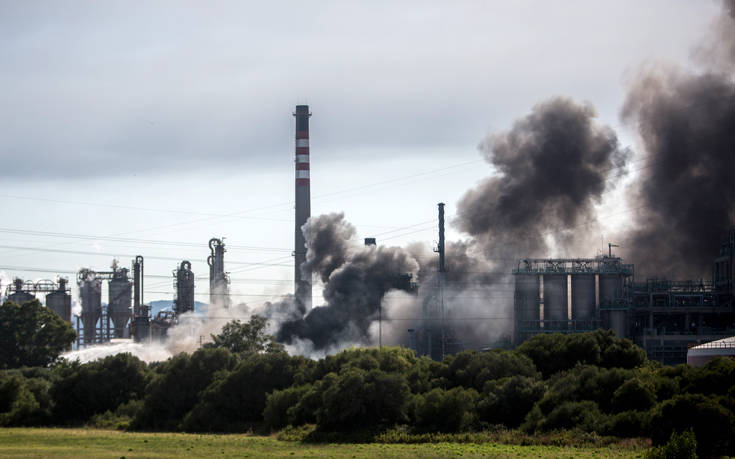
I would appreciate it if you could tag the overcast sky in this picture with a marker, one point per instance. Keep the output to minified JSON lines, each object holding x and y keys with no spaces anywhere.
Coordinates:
{"x":171,"y":121}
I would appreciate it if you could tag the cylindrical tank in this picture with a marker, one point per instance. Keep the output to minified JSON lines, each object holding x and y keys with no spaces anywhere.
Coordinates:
{"x":527,"y":298}
{"x":617,"y":322}
{"x":90,"y":294}
{"x":555,"y":301}
{"x":20,"y":296}
{"x":583,"y":297}
{"x":611,"y":289}
{"x":60,"y":302}
{"x":120,"y":291}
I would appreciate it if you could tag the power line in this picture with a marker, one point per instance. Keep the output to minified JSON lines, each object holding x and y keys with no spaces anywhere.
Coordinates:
{"x":107,"y":254}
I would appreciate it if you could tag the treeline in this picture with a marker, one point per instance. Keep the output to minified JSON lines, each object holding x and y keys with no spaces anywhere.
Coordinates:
{"x":591,"y":382}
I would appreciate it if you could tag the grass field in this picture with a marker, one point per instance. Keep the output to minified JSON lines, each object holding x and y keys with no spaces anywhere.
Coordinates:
{"x":81,"y":443}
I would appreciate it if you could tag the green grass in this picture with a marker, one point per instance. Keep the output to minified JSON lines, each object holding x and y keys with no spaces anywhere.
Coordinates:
{"x":80,"y":443}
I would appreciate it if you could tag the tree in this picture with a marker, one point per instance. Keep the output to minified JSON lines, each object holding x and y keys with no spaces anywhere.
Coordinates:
{"x":83,"y":390}
{"x":246,"y":338}
{"x":177,"y":385}
{"x":31,"y":335}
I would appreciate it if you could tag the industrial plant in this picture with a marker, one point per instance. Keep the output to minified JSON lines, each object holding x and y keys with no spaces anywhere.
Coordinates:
{"x":664,"y":317}
{"x":550,"y":295}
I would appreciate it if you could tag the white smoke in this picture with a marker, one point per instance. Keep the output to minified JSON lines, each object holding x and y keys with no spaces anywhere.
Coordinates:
{"x":149,"y":352}
{"x":5,"y":280}
{"x":193,"y":330}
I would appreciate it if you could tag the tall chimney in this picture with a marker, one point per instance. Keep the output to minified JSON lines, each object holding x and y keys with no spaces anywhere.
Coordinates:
{"x":302,"y":280}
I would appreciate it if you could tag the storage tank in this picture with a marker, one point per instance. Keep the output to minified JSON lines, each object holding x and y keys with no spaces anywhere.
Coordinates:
{"x":555,"y":301}
{"x":583,"y":297}
{"x":20,"y":295}
{"x":611,"y":289}
{"x":120,"y":292}
{"x":184,"y":301}
{"x":617,"y":322}
{"x":527,"y":295}
{"x":59,"y":301}
{"x":90,"y":294}
{"x":699,"y":355}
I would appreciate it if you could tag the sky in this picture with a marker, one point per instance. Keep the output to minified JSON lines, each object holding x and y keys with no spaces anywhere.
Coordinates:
{"x":147,"y":128}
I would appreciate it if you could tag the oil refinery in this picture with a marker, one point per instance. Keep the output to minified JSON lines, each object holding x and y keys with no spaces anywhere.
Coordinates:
{"x":549,"y":295}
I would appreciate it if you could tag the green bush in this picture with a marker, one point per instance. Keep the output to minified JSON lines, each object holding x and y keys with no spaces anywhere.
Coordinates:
{"x":712,"y":423}
{"x":555,"y":352}
{"x":632,"y":395}
{"x":279,"y":403}
{"x":583,"y":415}
{"x":626,"y":424}
{"x":471,"y":369}
{"x":356,"y":399}
{"x":18,"y":406}
{"x":225,"y":407}
{"x":584,"y":383}
{"x":445,"y":410}
{"x":82,"y":390}
{"x":507,"y":401}
{"x":176,"y":387}
{"x":679,"y":446}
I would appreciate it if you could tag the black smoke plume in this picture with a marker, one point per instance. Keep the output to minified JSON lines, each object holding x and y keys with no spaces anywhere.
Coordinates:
{"x":355,"y":281}
{"x":685,"y":198}
{"x":553,"y":167}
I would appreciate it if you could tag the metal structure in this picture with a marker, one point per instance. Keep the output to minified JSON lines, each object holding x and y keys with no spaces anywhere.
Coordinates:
{"x":432,"y":337}
{"x":218,"y":280}
{"x":160,"y":324}
{"x":90,"y":295}
{"x":601,"y":295}
{"x":19,"y":292}
{"x":120,"y":290}
{"x":140,"y":322}
{"x":58,"y":297}
{"x":125,"y":308}
{"x":184,"y":288}
{"x":664,"y":317}
{"x":302,"y":279}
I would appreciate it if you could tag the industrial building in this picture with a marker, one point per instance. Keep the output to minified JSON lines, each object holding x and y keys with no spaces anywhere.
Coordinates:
{"x":58,"y":294}
{"x":663,"y":317}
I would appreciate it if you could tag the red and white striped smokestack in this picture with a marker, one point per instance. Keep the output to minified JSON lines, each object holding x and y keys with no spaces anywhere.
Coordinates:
{"x":302,"y":280}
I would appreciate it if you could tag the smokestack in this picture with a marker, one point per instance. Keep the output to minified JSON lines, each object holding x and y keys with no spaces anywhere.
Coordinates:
{"x":302,"y":280}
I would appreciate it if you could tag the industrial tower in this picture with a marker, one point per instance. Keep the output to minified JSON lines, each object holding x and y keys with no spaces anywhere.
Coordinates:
{"x":302,"y":280}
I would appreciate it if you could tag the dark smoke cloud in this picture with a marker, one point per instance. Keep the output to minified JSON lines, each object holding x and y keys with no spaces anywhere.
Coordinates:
{"x":355,"y":281}
{"x":685,"y":192}
{"x":329,"y":240}
{"x":553,"y":167}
